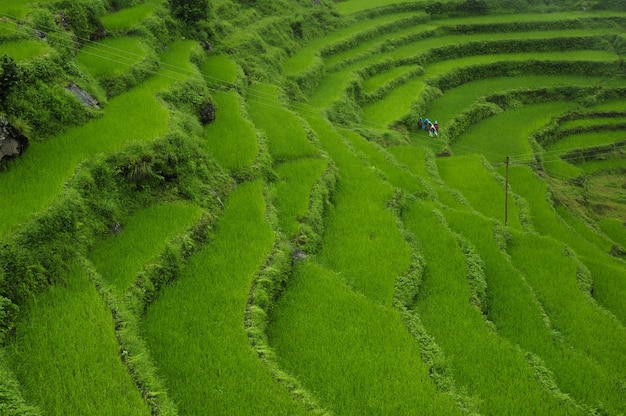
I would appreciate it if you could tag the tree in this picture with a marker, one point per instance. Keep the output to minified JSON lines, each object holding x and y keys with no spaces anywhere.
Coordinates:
{"x":190,"y":10}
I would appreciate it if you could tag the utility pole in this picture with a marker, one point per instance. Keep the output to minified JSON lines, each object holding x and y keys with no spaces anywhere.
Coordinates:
{"x":506,"y":194}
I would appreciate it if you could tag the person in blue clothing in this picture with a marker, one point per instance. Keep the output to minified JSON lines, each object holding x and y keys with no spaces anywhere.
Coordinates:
{"x":427,"y":124}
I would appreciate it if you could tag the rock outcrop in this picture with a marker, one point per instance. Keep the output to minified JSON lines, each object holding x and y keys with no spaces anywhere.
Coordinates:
{"x":11,"y":142}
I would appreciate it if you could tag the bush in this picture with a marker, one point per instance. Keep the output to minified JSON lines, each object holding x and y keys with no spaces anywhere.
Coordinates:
{"x":190,"y":11}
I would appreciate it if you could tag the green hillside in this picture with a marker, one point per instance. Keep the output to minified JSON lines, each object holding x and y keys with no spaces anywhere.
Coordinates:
{"x":239,"y":207}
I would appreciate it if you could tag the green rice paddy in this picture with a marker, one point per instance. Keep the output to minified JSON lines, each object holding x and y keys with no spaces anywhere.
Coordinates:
{"x":435,"y":286}
{"x":112,"y":56}
{"x":23,"y":50}
{"x":125,"y":19}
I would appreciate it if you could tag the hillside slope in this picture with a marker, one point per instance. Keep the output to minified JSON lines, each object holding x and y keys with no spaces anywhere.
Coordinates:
{"x":239,"y":207}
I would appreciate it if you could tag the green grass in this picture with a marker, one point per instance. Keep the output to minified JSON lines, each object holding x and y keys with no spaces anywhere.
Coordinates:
{"x":354,"y":6}
{"x":458,"y":99}
{"x":143,"y":237}
{"x":112,"y":57}
{"x":361,"y":239}
{"x":584,"y":140}
{"x":479,"y":187}
{"x":219,"y":70}
{"x":507,"y":134}
{"x":286,"y":136}
{"x":23,"y":50}
{"x":615,"y":229}
{"x":66,"y":355}
{"x":305,"y":57}
{"x":376,"y":157}
{"x":355,"y":355}
{"x":231,"y":140}
{"x":19,"y":8}
{"x":609,"y":278}
{"x":552,"y":274}
{"x":293,"y":190}
{"x":394,"y":105}
{"x":125,"y":19}
{"x":593,"y":122}
{"x":196,"y":327}
{"x":520,"y":318}
{"x":28,"y":190}
{"x":486,"y":365}
{"x":412,"y":157}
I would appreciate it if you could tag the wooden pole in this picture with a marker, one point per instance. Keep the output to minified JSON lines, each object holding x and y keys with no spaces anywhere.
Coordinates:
{"x":506,"y":194}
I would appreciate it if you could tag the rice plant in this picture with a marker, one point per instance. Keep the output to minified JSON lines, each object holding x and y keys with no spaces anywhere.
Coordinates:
{"x":554,"y":275}
{"x":293,"y":191}
{"x":143,"y":237}
{"x":195,"y":329}
{"x":23,"y":50}
{"x":112,"y":56}
{"x":219,"y":70}
{"x":355,"y":355}
{"x":230,"y":139}
{"x":66,"y":355}
{"x":479,"y":187}
{"x":519,"y":317}
{"x":125,"y":19}
{"x":285,"y":132}
{"x":481,"y":362}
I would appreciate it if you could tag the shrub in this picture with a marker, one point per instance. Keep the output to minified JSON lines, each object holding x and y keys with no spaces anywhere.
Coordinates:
{"x":190,"y":11}
{"x":9,"y":76}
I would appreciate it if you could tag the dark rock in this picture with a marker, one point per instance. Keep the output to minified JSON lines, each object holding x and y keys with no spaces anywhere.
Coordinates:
{"x":12,"y":143}
{"x":207,"y":113}
{"x":99,"y":34}
{"x":83,"y":96}
{"x":207,"y":46}
{"x":298,"y":254}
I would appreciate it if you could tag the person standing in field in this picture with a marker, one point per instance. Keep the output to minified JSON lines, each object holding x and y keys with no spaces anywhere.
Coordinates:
{"x":433,"y":131}
{"x":420,"y":123}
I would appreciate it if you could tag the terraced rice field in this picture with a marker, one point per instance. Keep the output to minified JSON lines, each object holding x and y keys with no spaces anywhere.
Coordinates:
{"x":321,"y":254}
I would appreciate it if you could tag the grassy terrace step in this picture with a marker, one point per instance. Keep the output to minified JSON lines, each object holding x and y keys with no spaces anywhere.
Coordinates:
{"x":37,"y":178}
{"x":126,"y":19}
{"x":355,"y":355}
{"x":293,"y":191}
{"x":456,"y":100}
{"x":480,"y":188}
{"x":112,"y":57}
{"x":607,"y":274}
{"x":195,"y":329}
{"x":66,"y":355}
{"x":376,"y":157}
{"x":23,"y":50}
{"x":553,"y":277}
{"x":584,"y":140}
{"x":363,"y":253}
{"x":506,"y":134}
{"x":304,"y":59}
{"x":354,"y":6}
{"x":219,"y":71}
{"x":231,"y":139}
{"x":416,"y":44}
{"x":359,"y":229}
{"x":485,"y":364}
{"x":519,"y":317}
{"x":286,"y":136}
{"x":119,"y":258}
